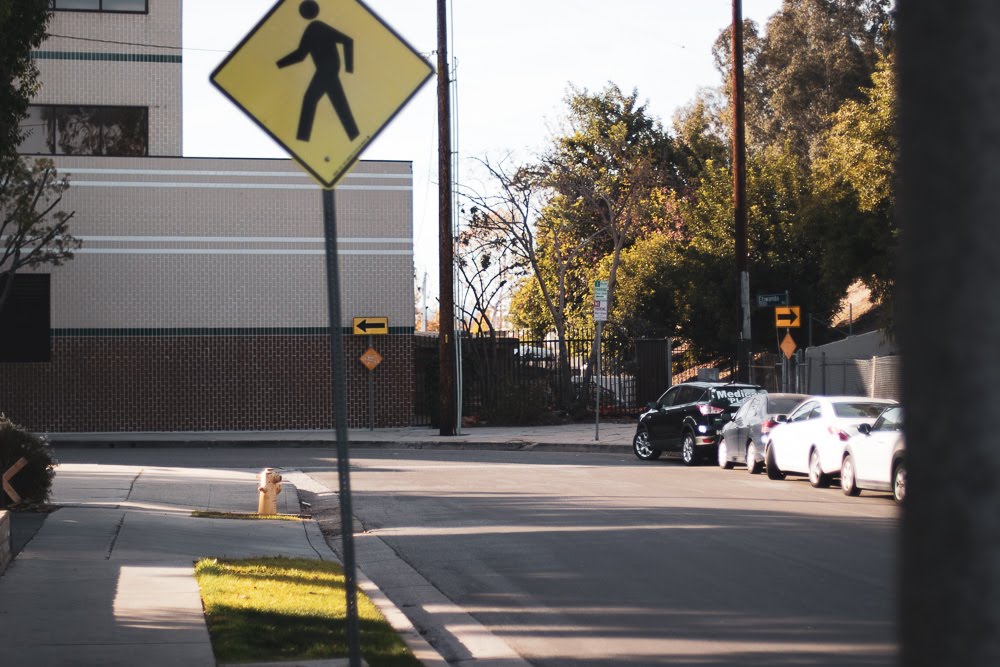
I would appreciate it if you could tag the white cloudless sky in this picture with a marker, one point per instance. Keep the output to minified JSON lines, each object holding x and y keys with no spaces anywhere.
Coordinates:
{"x":515,"y":62}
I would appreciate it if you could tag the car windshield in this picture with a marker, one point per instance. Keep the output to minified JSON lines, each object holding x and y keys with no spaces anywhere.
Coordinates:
{"x":781,"y":405}
{"x":733,"y":396}
{"x":858,"y":409}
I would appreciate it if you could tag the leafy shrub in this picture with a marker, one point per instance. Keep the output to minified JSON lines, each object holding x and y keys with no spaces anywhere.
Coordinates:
{"x":34,"y":481}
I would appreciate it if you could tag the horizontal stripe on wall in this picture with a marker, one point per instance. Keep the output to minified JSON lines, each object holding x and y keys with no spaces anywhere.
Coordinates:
{"x":106,"y":57}
{"x":223,"y":331}
{"x":231,"y":251}
{"x":233,"y":186}
{"x":207,"y":172}
{"x":233,"y":239}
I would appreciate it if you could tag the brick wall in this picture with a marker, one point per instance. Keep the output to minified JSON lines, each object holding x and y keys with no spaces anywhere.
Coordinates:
{"x":5,"y":545}
{"x":204,"y":383}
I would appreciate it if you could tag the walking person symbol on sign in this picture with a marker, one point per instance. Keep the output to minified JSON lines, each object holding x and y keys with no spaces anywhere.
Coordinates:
{"x":319,"y":41}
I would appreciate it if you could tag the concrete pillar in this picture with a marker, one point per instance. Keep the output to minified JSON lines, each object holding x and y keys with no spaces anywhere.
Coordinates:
{"x":949,"y":330}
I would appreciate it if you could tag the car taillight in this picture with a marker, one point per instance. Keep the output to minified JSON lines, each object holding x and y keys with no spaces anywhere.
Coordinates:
{"x":765,"y":427}
{"x":840,"y":433}
{"x":707,"y":409}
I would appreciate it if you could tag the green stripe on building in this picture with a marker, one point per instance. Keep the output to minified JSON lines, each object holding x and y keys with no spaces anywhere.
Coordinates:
{"x":106,"y":57}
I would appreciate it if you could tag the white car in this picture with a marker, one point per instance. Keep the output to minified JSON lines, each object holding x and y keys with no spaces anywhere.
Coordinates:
{"x":874,"y":459}
{"x":811,"y":440}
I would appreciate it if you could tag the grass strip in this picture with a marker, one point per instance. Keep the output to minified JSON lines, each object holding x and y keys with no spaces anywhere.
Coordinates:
{"x":204,"y":514}
{"x":271,"y":609}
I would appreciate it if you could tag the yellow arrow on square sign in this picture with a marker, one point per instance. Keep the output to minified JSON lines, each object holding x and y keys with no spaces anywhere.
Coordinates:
{"x":323,"y":78}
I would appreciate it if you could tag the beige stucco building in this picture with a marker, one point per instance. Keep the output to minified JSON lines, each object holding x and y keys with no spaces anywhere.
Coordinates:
{"x":198,"y":298}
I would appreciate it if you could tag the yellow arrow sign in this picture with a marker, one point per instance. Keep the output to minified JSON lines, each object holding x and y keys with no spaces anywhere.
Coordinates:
{"x":787,"y":317}
{"x":371,"y":326}
{"x":322,"y":77}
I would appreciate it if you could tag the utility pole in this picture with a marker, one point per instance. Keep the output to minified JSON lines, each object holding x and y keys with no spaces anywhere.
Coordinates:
{"x":739,"y":195}
{"x":446,"y":249}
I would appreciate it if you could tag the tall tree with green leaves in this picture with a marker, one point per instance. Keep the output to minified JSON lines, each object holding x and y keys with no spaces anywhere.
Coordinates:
{"x":854,"y":183}
{"x":609,"y":167}
{"x":813,"y":56}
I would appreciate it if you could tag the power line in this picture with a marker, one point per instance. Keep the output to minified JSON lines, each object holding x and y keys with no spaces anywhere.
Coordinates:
{"x":150,"y":46}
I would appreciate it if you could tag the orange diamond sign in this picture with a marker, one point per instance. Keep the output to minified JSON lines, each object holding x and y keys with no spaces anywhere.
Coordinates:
{"x":788,"y":346}
{"x":371,"y":359}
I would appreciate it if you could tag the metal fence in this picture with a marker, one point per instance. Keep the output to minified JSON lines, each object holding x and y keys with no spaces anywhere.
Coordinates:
{"x":517,"y":379}
{"x":876,"y":377}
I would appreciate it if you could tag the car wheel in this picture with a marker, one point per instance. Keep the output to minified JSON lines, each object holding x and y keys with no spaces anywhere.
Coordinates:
{"x":753,"y":465}
{"x":724,"y":461}
{"x":642,"y":447}
{"x":847,"y":480}
{"x":817,"y":478}
{"x":899,"y":482}
{"x":688,"y":451}
{"x":773,"y":471}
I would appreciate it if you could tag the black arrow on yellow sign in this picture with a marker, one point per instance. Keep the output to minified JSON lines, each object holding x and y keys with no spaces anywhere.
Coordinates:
{"x":371,"y":325}
{"x":786,"y":316}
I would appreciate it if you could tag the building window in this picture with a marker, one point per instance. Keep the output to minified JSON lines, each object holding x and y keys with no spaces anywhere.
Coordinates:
{"x":127,"y":6}
{"x":86,"y":130}
{"x":25,"y":334}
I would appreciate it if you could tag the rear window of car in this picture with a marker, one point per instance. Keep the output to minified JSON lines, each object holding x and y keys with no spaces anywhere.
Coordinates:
{"x":733,"y":396}
{"x":865,"y":410}
{"x":781,"y":406}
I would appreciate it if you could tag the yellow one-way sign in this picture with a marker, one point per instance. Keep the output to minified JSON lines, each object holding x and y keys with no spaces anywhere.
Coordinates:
{"x":787,"y":317}
{"x":322,"y":77}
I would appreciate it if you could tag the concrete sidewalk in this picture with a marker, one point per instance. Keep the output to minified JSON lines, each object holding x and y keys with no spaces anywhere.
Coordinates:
{"x":610,"y":437}
{"x":109,"y":580}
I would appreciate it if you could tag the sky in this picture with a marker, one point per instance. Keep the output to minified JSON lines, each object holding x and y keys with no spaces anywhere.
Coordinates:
{"x":516,"y":61}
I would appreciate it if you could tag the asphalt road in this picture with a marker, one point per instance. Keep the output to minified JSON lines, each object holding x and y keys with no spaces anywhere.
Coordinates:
{"x":599,"y":559}
{"x":577,"y":559}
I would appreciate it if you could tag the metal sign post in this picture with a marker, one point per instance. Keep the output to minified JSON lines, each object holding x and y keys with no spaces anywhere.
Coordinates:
{"x":338,"y":389}
{"x":600,"y":317}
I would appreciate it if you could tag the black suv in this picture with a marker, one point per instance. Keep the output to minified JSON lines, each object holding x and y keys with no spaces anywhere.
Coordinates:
{"x":687,"y":420}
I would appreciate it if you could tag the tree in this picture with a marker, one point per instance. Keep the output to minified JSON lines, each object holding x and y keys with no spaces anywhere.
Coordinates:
{"x":609,"y":169}
{"x":33,"y":231}
{"x":29,"y":193}
{"x":516,"y":220}
{"x":22,"y":28}
{"x":814,"y":56}
{"x":854,"y":180}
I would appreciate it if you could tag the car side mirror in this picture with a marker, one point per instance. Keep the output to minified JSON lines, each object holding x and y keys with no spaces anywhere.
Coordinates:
{"x":781,"y":419}
{"x":865,"y":428}
{"x":652,"y":405}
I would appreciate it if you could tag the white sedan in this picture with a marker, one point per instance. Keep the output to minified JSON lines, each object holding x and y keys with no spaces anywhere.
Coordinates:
{"x":874,"y":459}
{"x":811,"y":440}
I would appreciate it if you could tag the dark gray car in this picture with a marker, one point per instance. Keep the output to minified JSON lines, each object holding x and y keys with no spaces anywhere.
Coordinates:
{"x":745,"y":436}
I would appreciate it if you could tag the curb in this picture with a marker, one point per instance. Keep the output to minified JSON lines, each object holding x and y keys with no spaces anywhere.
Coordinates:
{"x":507,"y":446}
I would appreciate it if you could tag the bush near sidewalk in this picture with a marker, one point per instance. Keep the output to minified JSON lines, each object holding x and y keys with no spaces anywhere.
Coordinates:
{"x":276,"y":609}
{"x":34,"y":481}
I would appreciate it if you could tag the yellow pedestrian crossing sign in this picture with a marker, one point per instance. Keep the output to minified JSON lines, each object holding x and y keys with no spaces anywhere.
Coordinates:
{"x":322,"y":77}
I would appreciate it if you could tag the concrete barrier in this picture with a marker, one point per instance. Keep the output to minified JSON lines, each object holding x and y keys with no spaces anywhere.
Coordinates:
{"x":5,"y":544}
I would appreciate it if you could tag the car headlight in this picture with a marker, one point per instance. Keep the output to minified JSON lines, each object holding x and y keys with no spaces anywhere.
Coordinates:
{"x":702,"y":428}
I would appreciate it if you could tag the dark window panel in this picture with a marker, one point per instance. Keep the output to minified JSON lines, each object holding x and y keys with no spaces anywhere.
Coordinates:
{"x":38,"y":130}
{"x":25,"y":333}
{"x":124,"y":5}
{"x":78,"y":131}
{"x":93,"y":5}
{"x":125,"y":131}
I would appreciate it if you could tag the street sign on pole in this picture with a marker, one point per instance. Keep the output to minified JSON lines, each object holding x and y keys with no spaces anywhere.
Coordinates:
{"x":600,"y":300}
{"x":371,"y":326}
{"x":322,"y":78}
{"x":787,"y":317}
{"x":769,"y":300}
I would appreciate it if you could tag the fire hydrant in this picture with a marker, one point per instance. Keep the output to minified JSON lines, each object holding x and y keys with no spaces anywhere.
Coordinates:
{"x":269,"y":487}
